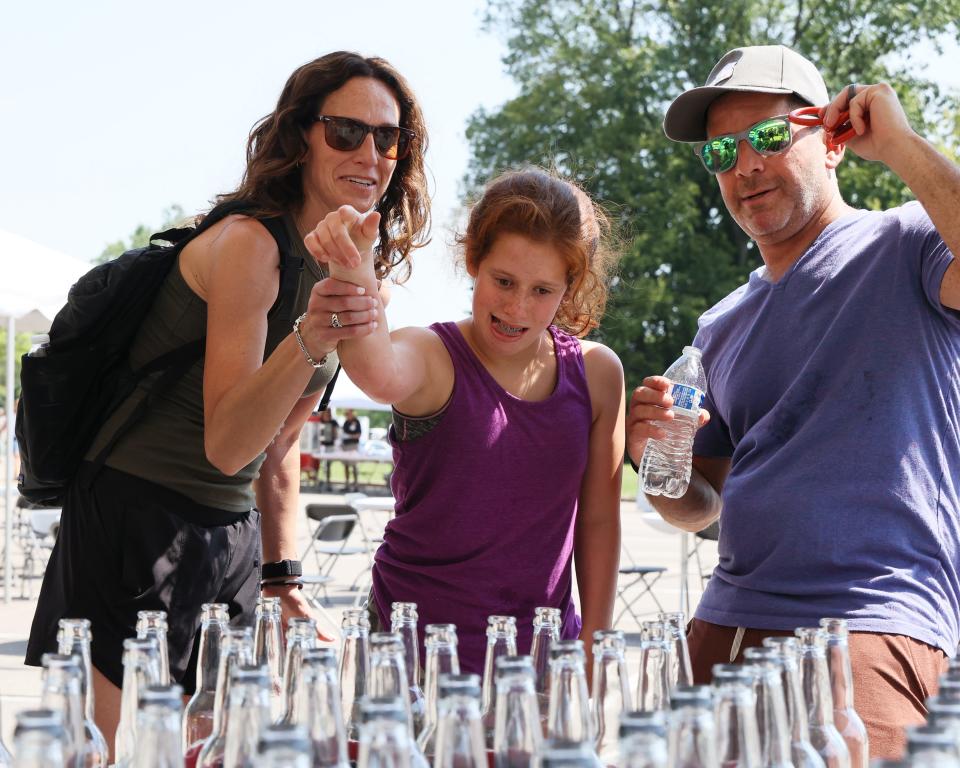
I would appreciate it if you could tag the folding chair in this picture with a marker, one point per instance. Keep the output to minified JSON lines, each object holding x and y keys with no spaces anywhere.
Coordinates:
{"x":644,"y":576}
{"x":36,"y":531}
{"x":328,"y":542}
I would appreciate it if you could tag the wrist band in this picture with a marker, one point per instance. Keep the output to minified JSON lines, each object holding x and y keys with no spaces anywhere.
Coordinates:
{"x":282,"y":583}
{"x":281,"y":569}
{"x":303,"y":347}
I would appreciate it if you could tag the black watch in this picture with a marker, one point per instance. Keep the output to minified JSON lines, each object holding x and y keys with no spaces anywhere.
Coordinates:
{"x":282,"y":568}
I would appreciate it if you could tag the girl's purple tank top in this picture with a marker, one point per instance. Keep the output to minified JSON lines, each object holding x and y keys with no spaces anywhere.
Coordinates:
{"x":486,"y":503}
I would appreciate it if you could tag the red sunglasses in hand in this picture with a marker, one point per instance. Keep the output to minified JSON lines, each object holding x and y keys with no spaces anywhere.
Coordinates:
{"x":839,"y":134}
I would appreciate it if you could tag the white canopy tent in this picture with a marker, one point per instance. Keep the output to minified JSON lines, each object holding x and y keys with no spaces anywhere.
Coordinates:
{"x":34,"y":281}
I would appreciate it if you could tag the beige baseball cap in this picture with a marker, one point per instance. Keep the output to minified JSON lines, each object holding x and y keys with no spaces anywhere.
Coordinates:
{"x":758,"y":69}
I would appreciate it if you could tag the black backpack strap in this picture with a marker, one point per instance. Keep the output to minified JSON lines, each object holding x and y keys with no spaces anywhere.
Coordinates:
{"x":328,"y":392}
{"x":290,"y":268}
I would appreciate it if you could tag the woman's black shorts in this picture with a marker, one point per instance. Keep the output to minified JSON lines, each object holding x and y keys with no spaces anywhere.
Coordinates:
{"x":127,"y":545}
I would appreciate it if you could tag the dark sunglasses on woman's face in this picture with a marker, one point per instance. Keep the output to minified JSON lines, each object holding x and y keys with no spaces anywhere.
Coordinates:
{"x":346,"y":134}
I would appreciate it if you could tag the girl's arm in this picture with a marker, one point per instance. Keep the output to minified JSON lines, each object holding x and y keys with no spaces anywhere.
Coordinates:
{"x":246,"y":399}
{"x":597,"y":535}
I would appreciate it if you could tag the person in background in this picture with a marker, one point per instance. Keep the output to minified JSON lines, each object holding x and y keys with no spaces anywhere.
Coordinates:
{"x":350,"y":442}
{"x":832,"y":448}
{"x":175,"y":517}
{"x":329,"y":431}
{"x":507,"y":426}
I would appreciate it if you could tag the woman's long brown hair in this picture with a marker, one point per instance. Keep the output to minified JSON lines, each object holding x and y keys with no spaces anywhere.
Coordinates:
{"x":277,"y":146}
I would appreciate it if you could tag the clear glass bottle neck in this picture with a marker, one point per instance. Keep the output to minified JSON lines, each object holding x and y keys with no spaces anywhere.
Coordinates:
{"x":569,"y":714}
{"x":158,"y":737}
{"x":460,"y":740}
{"x":247,"y":714}
{"x":691,"y":738}
{"x":517,"y":732}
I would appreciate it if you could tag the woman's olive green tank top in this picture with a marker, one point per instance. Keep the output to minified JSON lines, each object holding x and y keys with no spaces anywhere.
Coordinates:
{"x":166,"y":445}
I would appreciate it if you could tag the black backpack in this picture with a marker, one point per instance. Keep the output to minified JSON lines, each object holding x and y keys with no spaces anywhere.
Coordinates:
{"x":71,"y":386}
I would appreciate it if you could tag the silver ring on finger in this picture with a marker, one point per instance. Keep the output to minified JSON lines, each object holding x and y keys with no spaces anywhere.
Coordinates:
{"x":335,"y":321}
{"x":851,"y":92}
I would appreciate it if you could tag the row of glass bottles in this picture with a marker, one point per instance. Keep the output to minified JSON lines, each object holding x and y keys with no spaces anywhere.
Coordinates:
{"x":391,"y":662}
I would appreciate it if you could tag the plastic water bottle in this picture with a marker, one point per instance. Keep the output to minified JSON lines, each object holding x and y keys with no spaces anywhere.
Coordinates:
{"x":665,"y":467}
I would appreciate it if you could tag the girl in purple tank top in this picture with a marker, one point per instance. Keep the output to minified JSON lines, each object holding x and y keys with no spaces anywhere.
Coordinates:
{"x":509,"y":428}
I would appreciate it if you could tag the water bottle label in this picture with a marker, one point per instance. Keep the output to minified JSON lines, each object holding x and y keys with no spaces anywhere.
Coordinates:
{"x":686,"y":398}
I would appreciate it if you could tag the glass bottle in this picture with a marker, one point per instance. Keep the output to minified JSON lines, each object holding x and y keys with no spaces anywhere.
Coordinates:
{"x":569,"y":718}
{"x":141,"y":667}
{"x":817,"y":699}
{"x":517,"y":732}
{"x":60,"y":692}
{"x":198,"y":715}
{"x":388,"y":669}
{"x":74,"y":638}
{"x":247,"y":714}
{"x":301,"y":635}
{"x":38,"y":739}
{"x":6,"y":759}
{"x":384,"y":733}
{"x":945,"y":713}
{"x":320,"y":708}
{"x":802,"y":752}
{"x":772,"y":724}
{"x":403,"y":621}
{"x":354,"y":666}
{"x":953,"y":669}
{"x":643,"y":740}
{"x":158,"y":727}
{"x":388,"y":678}
{"x":283,"y":745}
{"x":154,"y":624}
{"x":845,"y":717}
{"x":611,"y":691}
{"x":949,"y":690}
{"x":560,"y":753}
{"x":460,"y":739}
{"x":675,"y":632}
{"x":735,"y":710}
{"x":546,"y":631}
{"x":932,"y":746}
{"x":501,"y":641}
{"x":268,"y":648}
{"x":236,"y":649}
{"x":654,"y":684}
{"x":691,"y":728}
{"x":441,"y":659}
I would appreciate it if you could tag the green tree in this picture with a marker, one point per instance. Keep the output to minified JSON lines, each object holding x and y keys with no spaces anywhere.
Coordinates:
{"x":172,"y":217}
{"x":595,"y":78}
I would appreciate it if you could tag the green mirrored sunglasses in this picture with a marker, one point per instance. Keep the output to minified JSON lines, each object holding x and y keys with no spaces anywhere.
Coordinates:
{"x":768,"y":137}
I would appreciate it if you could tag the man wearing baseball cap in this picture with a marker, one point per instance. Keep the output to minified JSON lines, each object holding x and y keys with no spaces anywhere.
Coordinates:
{"x":831,"y":441}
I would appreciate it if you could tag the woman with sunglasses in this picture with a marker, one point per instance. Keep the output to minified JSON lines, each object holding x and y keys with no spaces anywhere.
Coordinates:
{"x":173,"y":520}
{"x":508,"y":427}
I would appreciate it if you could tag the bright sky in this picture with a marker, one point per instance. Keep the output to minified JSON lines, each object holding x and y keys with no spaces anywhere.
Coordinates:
{"x":114,"y":110}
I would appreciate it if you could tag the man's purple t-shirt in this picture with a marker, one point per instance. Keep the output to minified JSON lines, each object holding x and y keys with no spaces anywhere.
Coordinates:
{"x":836,"y":393}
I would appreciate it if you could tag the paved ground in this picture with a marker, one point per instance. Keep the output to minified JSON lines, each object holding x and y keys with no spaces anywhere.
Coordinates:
{"x":647,"y":541}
